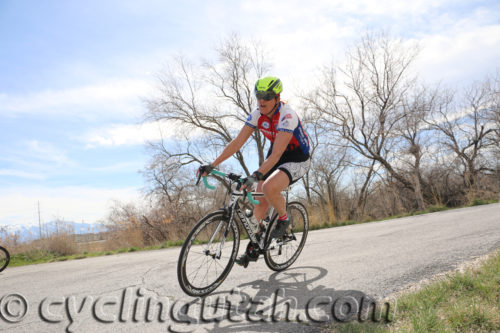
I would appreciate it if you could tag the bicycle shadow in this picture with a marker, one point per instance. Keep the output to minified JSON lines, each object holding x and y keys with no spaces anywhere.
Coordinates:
{"x":287,"y":302}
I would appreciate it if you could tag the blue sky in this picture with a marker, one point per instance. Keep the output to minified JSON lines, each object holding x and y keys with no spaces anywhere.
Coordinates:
{"x":73,"y":75}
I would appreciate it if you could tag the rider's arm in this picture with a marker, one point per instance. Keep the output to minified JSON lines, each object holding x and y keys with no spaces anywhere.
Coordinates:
{"x":234,"y":145}
{"x":279,"y":146}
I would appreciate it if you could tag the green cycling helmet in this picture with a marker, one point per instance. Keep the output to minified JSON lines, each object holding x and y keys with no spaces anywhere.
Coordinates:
{"x":268,"y":88}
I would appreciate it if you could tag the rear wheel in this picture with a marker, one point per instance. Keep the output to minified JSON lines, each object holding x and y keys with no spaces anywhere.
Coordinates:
{"x":208,"y":254}
{"x":281,"y":253}
{"x":4,"y":258}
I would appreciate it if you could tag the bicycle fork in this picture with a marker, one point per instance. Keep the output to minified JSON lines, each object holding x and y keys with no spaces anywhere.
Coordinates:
{"x":218,"y":252}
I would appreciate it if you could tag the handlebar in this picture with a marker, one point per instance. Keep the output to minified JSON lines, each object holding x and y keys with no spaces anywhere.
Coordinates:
{"x":222,"y":174}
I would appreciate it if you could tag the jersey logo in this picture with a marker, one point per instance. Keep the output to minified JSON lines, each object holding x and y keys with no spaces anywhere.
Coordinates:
{"x":249,"y":117}
{"x":266,"y":125}
{"x":287,"y":116}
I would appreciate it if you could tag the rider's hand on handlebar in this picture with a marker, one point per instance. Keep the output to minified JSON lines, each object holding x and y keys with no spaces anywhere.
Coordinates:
{"x":248,"y":182}
{"x":205,"y":170}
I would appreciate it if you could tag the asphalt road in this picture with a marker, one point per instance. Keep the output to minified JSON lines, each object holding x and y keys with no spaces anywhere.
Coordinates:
{"x":338,"y":272}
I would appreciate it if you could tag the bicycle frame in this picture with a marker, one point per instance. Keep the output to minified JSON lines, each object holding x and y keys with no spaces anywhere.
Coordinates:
{"x":233,"y":208}
{"x":218,"y":233}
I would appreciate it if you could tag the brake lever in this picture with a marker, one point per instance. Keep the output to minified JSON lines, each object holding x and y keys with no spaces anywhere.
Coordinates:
{"x":244,"y":196}
{"x":248,"y":195}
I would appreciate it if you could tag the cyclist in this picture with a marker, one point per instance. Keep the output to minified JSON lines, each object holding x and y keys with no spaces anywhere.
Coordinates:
{"x":287,"y":159}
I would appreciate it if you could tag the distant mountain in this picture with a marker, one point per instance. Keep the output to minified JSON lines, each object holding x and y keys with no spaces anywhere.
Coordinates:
{"x":33,"y":232}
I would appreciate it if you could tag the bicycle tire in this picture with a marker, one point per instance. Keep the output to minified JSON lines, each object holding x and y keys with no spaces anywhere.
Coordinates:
{"x":4,"y":258}
{"x":281,"y":254}
{"x":201,"y":233}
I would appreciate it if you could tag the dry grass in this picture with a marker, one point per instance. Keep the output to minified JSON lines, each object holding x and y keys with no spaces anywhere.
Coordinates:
{"x":61,"y":245}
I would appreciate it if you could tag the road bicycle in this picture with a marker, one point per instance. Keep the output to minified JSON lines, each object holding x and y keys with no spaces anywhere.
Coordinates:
{"x":209,"y":251}
{"x":4,"y":258}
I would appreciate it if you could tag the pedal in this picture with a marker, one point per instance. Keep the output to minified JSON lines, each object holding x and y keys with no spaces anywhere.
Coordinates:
{"x":251,"y":254}
{"x":243,"y":260}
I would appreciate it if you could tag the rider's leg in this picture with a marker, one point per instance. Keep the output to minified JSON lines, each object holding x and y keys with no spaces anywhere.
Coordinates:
{"x":260,"y":210}
{"x":272,"y":188}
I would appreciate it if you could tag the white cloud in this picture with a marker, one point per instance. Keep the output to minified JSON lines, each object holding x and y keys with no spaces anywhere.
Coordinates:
{"x":34,"y":160}
{"x":118,"y":167}
{"x":47,"y":152}
{"x":19,"y":205}
{"x":118,"y":96}
{"x":139,"y":134}
{"x":457,"y":42}
{"x":468,"y":54}
{"x":393,"y":8}
{"x":36,"y":154}
{"x":22,"y":174}
{"x":128,"y":134}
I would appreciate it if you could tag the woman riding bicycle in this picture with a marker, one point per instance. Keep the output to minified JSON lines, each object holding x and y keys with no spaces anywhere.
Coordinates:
{"x":287,"y":159}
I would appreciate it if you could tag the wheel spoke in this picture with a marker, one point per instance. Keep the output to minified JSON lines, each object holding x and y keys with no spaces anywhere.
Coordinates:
{"x":283,"y":253}
{"x":200,"y":271}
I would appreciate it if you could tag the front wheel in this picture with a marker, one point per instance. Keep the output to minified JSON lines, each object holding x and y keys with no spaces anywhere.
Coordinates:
{"x":281,"y":253}
{"x":4,"y":258}
{"x":208,"y":254}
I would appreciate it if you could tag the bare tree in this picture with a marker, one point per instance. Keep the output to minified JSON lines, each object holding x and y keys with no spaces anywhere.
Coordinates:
{"x":207,"y":104}
{"x":331,"y":156}
{"x":327,"y":168}
{"x":494,"y":115}
{"x":465,"y":129}
{"x":318,"y":139}
{"x":210,"y":103}
{"x":172,"y":190}
{"x":232,"y":79}
{"x":415,"y":141}
{"x":365,"y":171}
{"x":372,"y":129}
{"x":364,"y":101}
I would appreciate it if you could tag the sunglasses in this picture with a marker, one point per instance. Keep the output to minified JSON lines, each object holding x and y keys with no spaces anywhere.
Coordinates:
{"x":265,"y":95}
